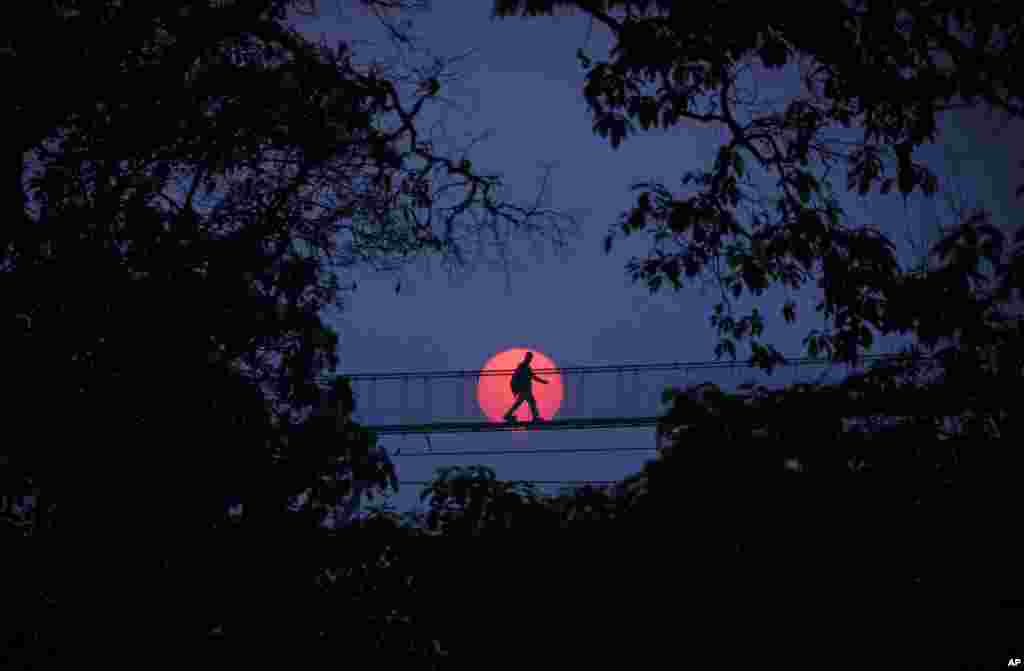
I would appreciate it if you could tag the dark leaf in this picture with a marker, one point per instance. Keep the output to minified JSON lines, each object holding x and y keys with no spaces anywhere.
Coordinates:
{"x":681,"y":217}
{"x":738,"y":166}
{"x":584,"y":61}
{"x":773,"y":53}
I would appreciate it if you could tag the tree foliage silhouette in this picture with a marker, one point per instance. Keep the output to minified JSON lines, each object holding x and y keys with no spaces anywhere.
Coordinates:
{"x":212,"y":239}
{"x":789,"y":491}
{"x":192,"y":182}
{"x":874,"y":78}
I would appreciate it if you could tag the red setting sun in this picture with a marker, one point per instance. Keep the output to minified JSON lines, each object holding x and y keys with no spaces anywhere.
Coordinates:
{"x":495,"y":395}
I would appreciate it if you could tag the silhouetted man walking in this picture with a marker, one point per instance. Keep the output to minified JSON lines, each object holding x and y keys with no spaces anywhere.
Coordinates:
{"x":522,"y":387}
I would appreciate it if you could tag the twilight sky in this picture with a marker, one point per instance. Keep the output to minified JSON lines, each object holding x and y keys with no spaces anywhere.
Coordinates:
{"x":523,"y":83}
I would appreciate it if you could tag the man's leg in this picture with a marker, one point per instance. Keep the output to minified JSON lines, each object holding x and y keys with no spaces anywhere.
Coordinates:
{"x":515,"y":406}
{"x":533,"y":407}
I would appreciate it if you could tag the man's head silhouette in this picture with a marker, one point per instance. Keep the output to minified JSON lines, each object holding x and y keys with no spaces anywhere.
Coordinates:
{"x":529,"y":357}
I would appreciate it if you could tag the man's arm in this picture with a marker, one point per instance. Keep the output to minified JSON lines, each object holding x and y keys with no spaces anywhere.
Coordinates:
{"x":534,"y":375}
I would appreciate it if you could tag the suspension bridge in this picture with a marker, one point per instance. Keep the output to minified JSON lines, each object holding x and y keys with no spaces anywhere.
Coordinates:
{"x":593,"y":397}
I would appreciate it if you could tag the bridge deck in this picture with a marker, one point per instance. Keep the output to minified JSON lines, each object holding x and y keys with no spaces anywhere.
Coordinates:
{"x":552,"y":425}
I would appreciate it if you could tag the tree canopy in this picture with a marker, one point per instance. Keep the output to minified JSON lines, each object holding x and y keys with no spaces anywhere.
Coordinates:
{"x":875,"y":76}
{"x":177,"y":228}
{"x":188,"y":186}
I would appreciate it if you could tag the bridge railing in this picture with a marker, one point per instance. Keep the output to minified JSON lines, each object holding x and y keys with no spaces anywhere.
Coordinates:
{"x":594,"y":392}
